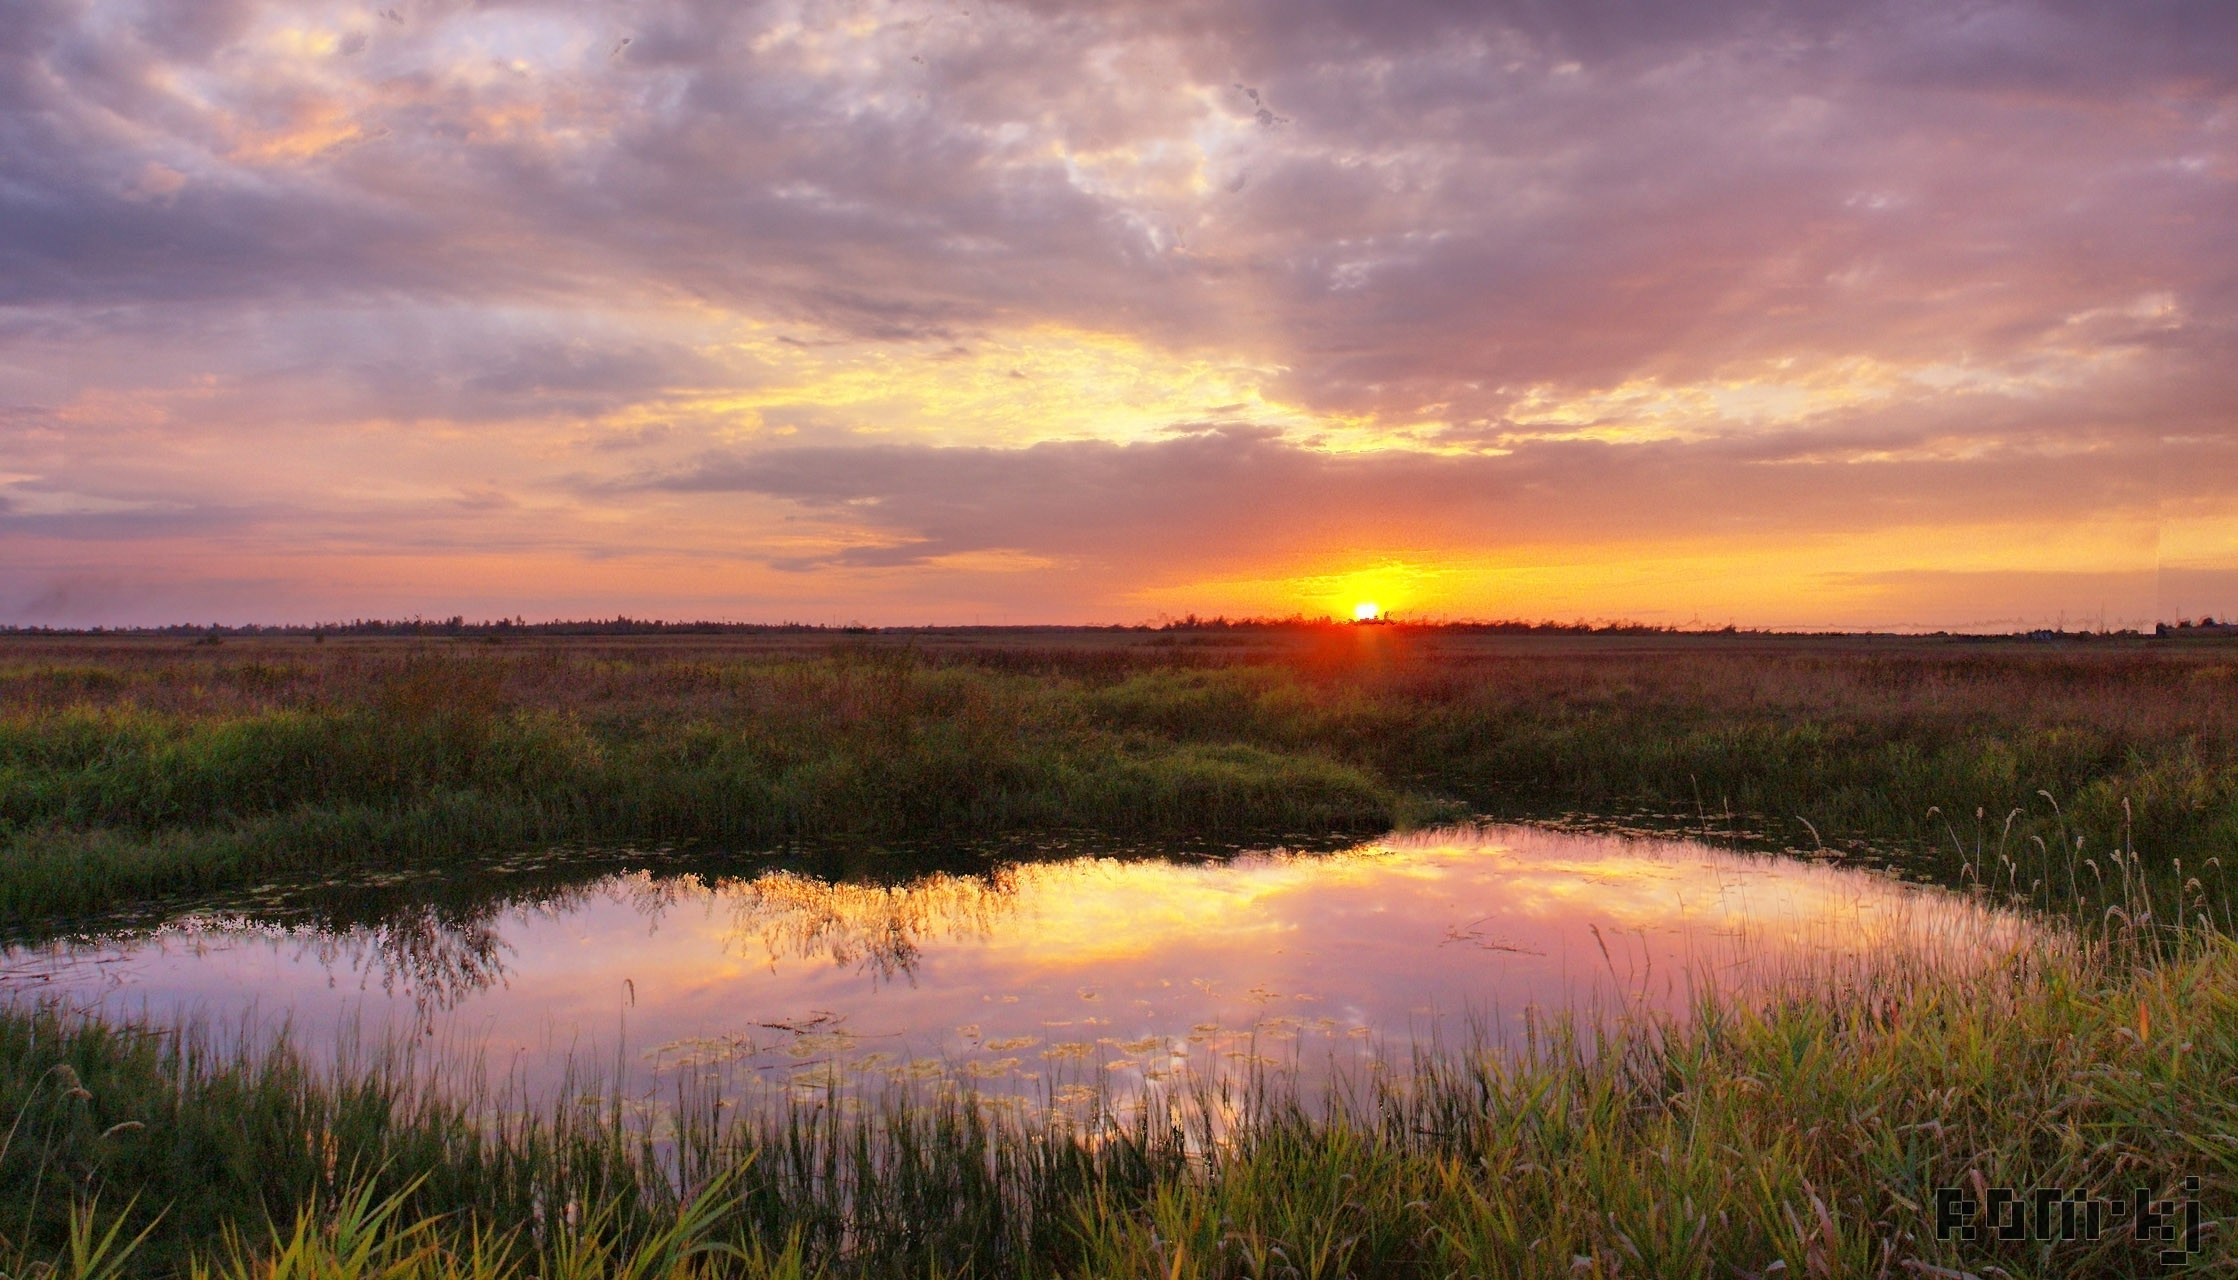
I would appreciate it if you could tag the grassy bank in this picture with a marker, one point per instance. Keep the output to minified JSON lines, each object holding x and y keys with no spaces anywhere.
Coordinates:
{"x":134,"y":770}
{"x":428,"y":756}
{"x":1803,"y":1137}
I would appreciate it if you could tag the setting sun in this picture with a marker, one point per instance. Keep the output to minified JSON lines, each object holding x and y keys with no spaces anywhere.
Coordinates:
{"x":1223,"y":359}
{"x":1048,"y":572}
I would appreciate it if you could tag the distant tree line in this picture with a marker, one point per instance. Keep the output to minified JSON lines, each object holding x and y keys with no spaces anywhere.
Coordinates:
{"x":455,"y":625}
{"x":1300,"y":622}
{"x":623,"y":625}
{"x":2204,"y":626}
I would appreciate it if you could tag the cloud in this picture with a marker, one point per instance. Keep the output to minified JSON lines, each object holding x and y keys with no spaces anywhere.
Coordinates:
{"x":1232,"y":497}
{"x":1521,"y":195}
{"x":1485,"y":275}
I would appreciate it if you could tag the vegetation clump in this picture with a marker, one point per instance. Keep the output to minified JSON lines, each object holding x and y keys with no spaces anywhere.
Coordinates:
{"x":130,"y":770}
{"x":1805,"y":1135}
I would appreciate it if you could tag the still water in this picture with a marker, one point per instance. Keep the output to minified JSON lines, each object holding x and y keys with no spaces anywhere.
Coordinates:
{"x":1040,"y":978}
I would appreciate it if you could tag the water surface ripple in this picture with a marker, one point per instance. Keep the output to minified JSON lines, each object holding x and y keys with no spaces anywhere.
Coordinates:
{"x":1039,"y":979}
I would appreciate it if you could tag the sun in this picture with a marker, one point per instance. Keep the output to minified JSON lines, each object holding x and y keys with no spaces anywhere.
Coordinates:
{"x":1368,"y":593}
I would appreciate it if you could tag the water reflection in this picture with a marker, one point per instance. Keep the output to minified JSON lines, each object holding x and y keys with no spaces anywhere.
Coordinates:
{"x":435,"y":958}
{"x":881,"y":930}
{"x":1043,"y":978}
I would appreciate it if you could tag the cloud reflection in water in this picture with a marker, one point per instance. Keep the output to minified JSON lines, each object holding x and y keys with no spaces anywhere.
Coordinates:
{"x":1043,"y":978}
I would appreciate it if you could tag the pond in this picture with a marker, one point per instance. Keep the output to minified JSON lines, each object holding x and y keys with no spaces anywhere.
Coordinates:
{"x":1052,"y":979}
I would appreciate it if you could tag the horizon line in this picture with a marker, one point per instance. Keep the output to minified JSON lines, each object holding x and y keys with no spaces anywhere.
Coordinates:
{"x":624,"y":624}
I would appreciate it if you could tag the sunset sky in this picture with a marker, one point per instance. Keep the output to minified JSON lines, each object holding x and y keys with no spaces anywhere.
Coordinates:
{"x":1834,"y":314}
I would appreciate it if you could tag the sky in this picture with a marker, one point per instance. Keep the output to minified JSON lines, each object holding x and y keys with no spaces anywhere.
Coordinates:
{"x":1829,"y":314}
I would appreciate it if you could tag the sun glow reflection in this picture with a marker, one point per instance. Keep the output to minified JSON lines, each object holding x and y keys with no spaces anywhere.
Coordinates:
{"x":1033,"y":978}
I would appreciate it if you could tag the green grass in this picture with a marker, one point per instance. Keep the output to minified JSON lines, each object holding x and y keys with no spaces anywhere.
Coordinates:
{"x":1802,"y":1136}
{"x":133,"y":772}
{"x":432,"y":760}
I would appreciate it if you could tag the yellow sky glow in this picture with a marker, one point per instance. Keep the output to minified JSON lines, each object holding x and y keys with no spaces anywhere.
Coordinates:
{"x":925,"y":314}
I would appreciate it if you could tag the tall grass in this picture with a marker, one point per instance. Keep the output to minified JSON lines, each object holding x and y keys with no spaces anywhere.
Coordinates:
{"x":433,"y":758}
{"x":127,"y":772}
{"x":1800,"y":1132}
{"x":1800,"y":1136}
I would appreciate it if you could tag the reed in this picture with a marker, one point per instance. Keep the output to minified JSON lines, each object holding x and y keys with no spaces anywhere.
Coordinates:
{"x":1801,"y":1131}
{"x":134,"y":771}
{"x":1798,"y":1135}
{"x":436,"y":758}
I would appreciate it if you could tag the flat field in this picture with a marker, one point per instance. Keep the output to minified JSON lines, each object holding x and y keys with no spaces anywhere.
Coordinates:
{"x":132,"y":769}
{"x":2093,"y":782}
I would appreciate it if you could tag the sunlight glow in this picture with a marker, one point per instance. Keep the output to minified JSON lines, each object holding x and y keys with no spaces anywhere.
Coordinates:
{"x":1366,"y":611}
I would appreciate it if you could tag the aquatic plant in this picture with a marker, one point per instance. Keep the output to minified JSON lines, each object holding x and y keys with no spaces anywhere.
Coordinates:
{"x":1802,"y":1135}
{"x":129,"y":770}
{"x":1800,"y":1132}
